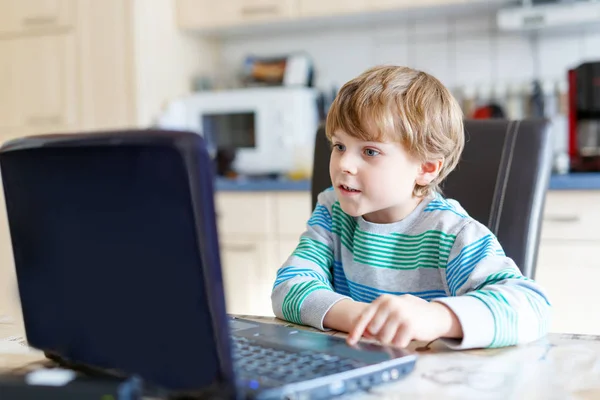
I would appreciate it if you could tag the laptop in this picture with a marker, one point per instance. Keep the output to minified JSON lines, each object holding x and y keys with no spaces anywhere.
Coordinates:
{"x":117,"y":258}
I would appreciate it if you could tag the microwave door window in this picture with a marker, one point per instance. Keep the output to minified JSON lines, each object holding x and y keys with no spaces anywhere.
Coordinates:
{"x":229,"y":130}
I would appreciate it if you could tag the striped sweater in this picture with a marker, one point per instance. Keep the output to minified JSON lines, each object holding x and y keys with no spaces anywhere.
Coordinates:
{"x":438,"y":253}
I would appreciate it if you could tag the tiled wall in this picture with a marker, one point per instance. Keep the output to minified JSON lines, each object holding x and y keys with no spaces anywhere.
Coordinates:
{"x":467,"y":51}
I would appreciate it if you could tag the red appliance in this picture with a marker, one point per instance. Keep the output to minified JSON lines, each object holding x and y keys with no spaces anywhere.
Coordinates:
{"x":584,"y":117}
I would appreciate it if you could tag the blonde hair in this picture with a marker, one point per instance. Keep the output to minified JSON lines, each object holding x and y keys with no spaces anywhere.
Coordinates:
{"x":405,"y":105}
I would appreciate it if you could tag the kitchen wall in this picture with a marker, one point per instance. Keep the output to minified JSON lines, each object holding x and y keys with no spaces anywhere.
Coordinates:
{"x":166,"y":59}
{"x":459,"y":51}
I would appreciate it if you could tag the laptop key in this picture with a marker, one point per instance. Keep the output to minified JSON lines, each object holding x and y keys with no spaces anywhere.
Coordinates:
{"x":253,"y":359}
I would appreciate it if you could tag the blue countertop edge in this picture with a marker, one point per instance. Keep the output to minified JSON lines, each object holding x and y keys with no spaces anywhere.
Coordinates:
{"x":574,"y":181}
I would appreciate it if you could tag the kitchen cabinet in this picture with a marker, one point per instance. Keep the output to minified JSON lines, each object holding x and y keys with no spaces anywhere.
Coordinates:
{"x":204,"y":14}
{"x":35,"y":99}
{"x":569,"y":271}
{"x":59,"y":81}
{"x":8,"y":106}
{"x":102,"y":72}
{"x":266,"y":10}
{"x":257,"y":233}
{"x":35,"y":16}
{"x":229,"y":17}
{"x":85,"y":65}
{"x":46,"y":98}
{"x":311,"y":8}
{"x":568,"y":265}
{"x":395,"y":4}
{"x":248,"y":274}
{"x":106,"y":64}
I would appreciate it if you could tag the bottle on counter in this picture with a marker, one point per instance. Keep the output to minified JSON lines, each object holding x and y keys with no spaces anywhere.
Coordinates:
{"x":468,"y":101}
{"x":514,"y":101}
{"x":560,"y":128}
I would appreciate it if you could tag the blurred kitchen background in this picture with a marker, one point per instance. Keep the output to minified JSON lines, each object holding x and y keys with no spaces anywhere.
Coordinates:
{"x":256,"y":78}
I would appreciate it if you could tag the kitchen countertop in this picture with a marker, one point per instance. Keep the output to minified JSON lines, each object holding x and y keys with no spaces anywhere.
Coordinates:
{"x":574,"y":181}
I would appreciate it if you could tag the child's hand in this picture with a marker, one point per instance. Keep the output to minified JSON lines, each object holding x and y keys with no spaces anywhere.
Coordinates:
{"x":396,"y":320}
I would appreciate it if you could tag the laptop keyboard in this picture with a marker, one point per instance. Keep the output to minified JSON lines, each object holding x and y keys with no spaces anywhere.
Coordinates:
{"x":255,"y":360}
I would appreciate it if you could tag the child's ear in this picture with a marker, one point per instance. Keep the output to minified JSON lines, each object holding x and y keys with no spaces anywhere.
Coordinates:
{"x":428,"y":172}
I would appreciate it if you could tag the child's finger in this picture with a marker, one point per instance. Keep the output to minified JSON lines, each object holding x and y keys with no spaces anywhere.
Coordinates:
{"x":367,"y":335}
{"x":402,"y":338}
{"x":361,"y":324}
{"x":388,"y":332}
{"x":377,"y":322}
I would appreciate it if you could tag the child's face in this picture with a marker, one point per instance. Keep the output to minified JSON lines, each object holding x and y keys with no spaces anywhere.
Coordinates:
{"x":374,"y":179}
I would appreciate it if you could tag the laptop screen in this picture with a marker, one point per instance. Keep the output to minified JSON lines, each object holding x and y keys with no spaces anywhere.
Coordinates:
{"x":108,"y":262}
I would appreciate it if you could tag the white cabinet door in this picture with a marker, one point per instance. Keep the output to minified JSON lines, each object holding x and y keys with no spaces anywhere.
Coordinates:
{"x":249,"y":274}
{"x":399,"y":4}
{"x":105,"y":63}
{"x":46,"y":82}
{"x":9,"y":293}
{"x":245,"y":213}
{"x":570,"y":272}
{"x":266,"y":10}
{"x":35,"y":16}
{"x":204,"y":14}
{"x":572,"y":215}
{"x":309,"y":8}
{"x":8,"y":88}
{"x":207,"y":14}
{"x":292,"y":211}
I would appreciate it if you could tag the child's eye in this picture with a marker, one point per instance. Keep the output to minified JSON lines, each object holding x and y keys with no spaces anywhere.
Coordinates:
{"x":371,"y":152}
{"x":339,"y":147}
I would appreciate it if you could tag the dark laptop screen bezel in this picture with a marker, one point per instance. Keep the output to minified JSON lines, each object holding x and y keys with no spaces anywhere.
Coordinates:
{"x":191,"y":150}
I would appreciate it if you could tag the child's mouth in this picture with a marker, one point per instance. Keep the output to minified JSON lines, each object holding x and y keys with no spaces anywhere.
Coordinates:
{"x":348,"y":190}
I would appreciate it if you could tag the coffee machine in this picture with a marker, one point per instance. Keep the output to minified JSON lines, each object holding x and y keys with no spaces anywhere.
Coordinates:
{"x":584,"y":117}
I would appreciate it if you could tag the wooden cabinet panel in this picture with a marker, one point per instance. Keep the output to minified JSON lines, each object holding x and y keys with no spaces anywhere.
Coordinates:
{"x":200,"y":14}
{"x":106,"y":65}
{"x":572,"y":215}
{"x":266,"y":10}
{"x":309,"y":8}
{"x":399,"y":4}
{"x":244,"y":213}
{"x":35,"y":16}
{"x":207,"y":14}
{"x":249,"y":274}
{"x":8,"y":90}
{"x":570,"y":272}
{"x":9,"y":293}
{"x":46,"y":81}
{"x":292,"y":213}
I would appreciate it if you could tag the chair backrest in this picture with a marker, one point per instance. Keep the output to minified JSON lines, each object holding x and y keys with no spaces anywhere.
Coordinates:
{"x":501,"y":181}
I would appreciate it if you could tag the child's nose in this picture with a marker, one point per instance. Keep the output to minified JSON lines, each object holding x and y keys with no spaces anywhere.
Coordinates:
{"x":348,"y":163}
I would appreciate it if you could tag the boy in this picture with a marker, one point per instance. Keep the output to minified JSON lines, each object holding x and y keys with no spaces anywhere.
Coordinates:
{"x":384,"y":254}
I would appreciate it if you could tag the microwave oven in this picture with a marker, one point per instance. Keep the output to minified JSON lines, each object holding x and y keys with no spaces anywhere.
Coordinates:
{"x":270,"y":129}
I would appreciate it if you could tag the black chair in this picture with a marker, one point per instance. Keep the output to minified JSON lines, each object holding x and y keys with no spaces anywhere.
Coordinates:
{"x":501,"y":180}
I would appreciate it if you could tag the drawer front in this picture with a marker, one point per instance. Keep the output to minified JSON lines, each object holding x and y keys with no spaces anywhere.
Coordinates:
{"x":572,"y":215}
{"x":244,"y":213}
{"x":569,"y":273}
{"x":292,"y":212}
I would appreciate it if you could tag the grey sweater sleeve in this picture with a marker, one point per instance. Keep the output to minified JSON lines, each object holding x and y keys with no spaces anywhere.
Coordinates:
{"x":303,"y":291}
{"x":495,"y":304}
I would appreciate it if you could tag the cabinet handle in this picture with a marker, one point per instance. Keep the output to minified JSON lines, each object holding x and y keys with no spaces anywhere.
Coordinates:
{"x":257,"y":10}
{"x":44,"y":120}
{"x":562,"y":218}
{"x":39,"y":20}
{"x":239,"y":248}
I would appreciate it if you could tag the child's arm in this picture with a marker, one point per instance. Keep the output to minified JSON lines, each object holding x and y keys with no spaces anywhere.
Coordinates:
{"x":495,"y":304}
{"x":303,"y":290}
